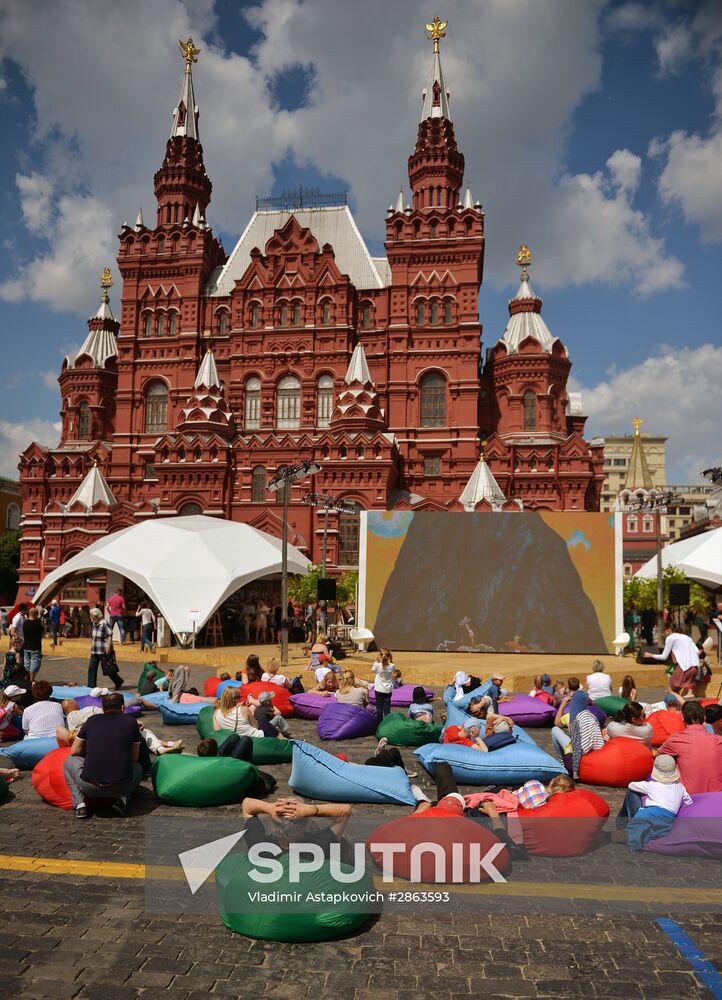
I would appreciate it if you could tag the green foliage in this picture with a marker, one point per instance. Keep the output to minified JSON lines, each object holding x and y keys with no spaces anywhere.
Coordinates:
{"x":643,"y":593}
{"x":9,"y":563}
{"x":302,"y":589}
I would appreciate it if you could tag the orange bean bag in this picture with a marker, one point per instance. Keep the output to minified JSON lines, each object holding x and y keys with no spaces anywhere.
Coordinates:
{"x":566,"y":826}
{"x":210,"y":686}
{"x":620,"y":761}
{"x":281,"y":695}
{"x":665,"y":723}
{"x":49,"y":779}
{"x":452,"y":864}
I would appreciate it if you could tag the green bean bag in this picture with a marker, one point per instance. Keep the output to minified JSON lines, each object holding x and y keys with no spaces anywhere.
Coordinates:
{"x":404,"y":732}
{"x":610,"y":705}
{"x":183,"y":780}
{"x":265,"y":751}
{"x":293,"y":922}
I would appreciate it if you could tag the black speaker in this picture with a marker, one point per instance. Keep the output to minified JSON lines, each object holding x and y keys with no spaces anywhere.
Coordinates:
{"x":326,"y":589}
{"x":678,"y":594}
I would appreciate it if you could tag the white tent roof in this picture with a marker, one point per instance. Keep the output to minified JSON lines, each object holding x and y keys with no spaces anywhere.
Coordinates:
{"x":182,"y":563}
{"x":699,"y":558}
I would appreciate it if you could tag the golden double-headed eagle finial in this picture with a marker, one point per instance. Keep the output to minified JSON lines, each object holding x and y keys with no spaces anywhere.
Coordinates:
{"x":189,"y":51}
{"x":637,"y":423}
{"x":523,"y":259}
{"x":436,"y":29}
{"x":106,"y":278}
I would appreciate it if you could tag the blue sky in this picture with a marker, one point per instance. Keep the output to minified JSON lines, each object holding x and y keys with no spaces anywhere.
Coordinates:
{"x":591,"y":131}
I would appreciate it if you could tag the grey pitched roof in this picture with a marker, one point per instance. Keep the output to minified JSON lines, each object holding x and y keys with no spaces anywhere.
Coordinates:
{"x":334,"y":225}
{"x":93,"y":490}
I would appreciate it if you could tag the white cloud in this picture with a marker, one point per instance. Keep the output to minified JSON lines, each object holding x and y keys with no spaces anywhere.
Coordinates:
{"x":35,"y":201}
{"x":673,"y":48}
{"x":50,"y":379}
{"x":674,"y":391}
{"x":14,"y":438}
{"x":102,"y":143}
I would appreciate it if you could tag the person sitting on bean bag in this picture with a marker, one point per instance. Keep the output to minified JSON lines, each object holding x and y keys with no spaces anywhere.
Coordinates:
{"x":713,"y":717}
{"x":10,"y":713}
{"x":650,"y":807}
{"x":631,"y":722}
{"x":327,"y":685}
{"x":698,"y":752}
{"x":540,"y":691}
{"x":466,"y":735}
{"x":464,"y":684}
{"x":253,"y":671}
{"x":44,"y":716}
{"x":351,"y":691}
{"x":420,"y":706}
{"x":231,"y":714}
{"x":289,"y":824}
{"x":272,"y":675}
{"x":586,"y":736}
{"x":599,"y":683}
{"x":267,"y":717}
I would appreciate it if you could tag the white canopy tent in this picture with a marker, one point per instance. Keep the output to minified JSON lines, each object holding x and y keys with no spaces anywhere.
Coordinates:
{"x":186,"y":565}
{"x":699,"y":558}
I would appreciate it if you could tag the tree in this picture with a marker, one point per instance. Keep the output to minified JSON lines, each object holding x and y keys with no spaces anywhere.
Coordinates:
{"x":9,"y":563}
{"x":642,"y":593}
{"x":303,"y":589}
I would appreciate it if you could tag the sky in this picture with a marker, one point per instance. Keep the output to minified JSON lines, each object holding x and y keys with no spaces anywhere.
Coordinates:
{"x":592,"y":131}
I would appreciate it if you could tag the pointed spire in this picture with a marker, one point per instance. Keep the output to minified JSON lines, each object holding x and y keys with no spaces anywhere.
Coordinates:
{"x":207,"y":377}
{"x":436,"y":96}
{"x":92,"y":491}
{"x":357,"y":406}
{"x":400,"y":200}
{"x":358,"y":369}
{"x":185,"y":114}
{"x":638,"y":474}
{"x":196,"y":220}
{"x":525,"y":307}
{"x":139,"y":219}
{"x":468,"y":201}
{"x":482,"y":486}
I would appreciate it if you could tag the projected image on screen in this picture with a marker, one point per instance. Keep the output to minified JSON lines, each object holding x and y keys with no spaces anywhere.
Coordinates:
{"x":527,"y":582}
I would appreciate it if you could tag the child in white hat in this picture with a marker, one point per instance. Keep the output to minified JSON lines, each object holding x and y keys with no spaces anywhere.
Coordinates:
{"x":657,"y":803}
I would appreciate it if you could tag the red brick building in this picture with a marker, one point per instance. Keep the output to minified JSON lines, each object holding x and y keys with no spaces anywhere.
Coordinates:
{"x":371,"y":366}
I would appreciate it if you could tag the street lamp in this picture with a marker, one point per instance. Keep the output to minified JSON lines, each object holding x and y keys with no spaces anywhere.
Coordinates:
{"x":327,"y":503}
{"x":657,"y":503}
{"x":283,"y":478}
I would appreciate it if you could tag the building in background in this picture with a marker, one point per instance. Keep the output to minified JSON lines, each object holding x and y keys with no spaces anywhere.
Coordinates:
{"x":617,"y":457}
{"x":300,"y":344}
{"x":10,"y":505}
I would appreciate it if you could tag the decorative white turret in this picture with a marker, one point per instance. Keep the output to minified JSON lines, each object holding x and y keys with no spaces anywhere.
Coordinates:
{"x":525,"y":318}
{"x":207,"y":409}
{"x":92,"y":491}
{"x":482,"y":486}
{"x":101,"y":343}
{"x":357,"y":406}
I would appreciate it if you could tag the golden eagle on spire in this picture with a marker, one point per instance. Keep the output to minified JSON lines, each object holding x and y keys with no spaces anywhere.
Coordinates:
{"x":106,"y":278}
{"x":189,"y":51}
{"x":523,"y":259}
{"x":436,"y":29}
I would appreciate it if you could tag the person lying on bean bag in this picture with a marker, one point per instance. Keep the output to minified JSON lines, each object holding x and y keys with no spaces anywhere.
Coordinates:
{"x":421,"y":708}
{"x":483,"y":710}
{"x":287,"y":823}
{"x":498,"y":733}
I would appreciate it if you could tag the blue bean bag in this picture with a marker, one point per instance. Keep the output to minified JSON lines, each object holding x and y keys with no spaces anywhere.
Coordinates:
{"x":512,"y":765}
{"x":402,"y":697}
{"x":340,"y":721}
{"x":27,"y":753}
{"x":450,"y":691}
{"x":61,"y":692}
{"x":175,"y":714}
{"x":155,"y":698}
{"x":319,"y":775}
{"x":227,"y":684}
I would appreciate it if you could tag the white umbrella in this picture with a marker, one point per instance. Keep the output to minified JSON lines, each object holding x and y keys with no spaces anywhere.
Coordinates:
{"x":183,"y":564}
{"x":699,"y":558}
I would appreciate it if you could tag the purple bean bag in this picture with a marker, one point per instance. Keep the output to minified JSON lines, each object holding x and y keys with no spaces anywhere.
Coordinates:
{"x":527,"y":711}
{"x":309,"y":705}
{"x":86,"y":701}
{"x":403,"y":696}
{"x":697,"y":830}
{"x":340,"y":721}
{"x":599,"y":714}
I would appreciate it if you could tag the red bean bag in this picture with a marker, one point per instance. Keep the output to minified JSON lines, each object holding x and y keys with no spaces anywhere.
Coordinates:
{"x":665,"y":723}
{"x":444,"y":831}
{"x":704,"y":702}
{"x":566,"y":826}
{"x":210,"y":686}
{"x":341,"y":721}
{"x":49,"y":779}
{"x":281,"y":695}
{"x":619,"y":761}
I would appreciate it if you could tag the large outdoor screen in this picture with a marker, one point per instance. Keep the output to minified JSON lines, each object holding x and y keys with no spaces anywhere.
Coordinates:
{"x":538,"y":582}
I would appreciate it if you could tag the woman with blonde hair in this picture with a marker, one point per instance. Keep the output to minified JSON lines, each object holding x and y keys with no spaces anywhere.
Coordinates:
{"x":272,"y":676}
{"x":320,"y":654}
{"x":327,"y":683}
{"x":231,"y":714}
{"x":351,"y":691}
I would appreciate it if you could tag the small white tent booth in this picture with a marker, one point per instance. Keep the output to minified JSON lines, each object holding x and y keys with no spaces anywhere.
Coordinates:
{"x":186,"y":565}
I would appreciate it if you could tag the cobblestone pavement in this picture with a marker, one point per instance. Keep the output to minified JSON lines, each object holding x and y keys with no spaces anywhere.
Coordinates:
{"x":74,"y":935}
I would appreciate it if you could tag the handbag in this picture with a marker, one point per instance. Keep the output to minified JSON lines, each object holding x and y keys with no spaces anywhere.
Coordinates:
{"x":109,"y":668}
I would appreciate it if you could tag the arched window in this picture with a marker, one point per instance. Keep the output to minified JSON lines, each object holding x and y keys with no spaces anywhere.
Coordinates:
{"x":647,"y":524}
{"x":161,"y":244}
{"x":84,"y":422}
{"x":12,"y":517}
{"x":529,"y":410}
{"x":253,"y":403}
{"x":258,"y":484}
{"x":627,"y":570}
{"x":366,"y":315}
{"x":296,"y":320}
{"x":160,"y":324}
{"x":148,"y":324}
{"x":288,"y":404}
{"x":420,"y":313}
{"x":283,"y":315}
{"x":324,"y":400}
{"x":348,"y":538}
{"x":447,"y":312}
{"x":434,"y":229}
{"x":172,"y":323}
{"x":326,"y":314}
{"x":433,"y":314}
{"x":255,"y":315}
{"x":433,"y":400}
{"x":190,"y":509}
{"x":632,"y":524}
{"x":222,"y":323}
{"x":156,"y":408}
